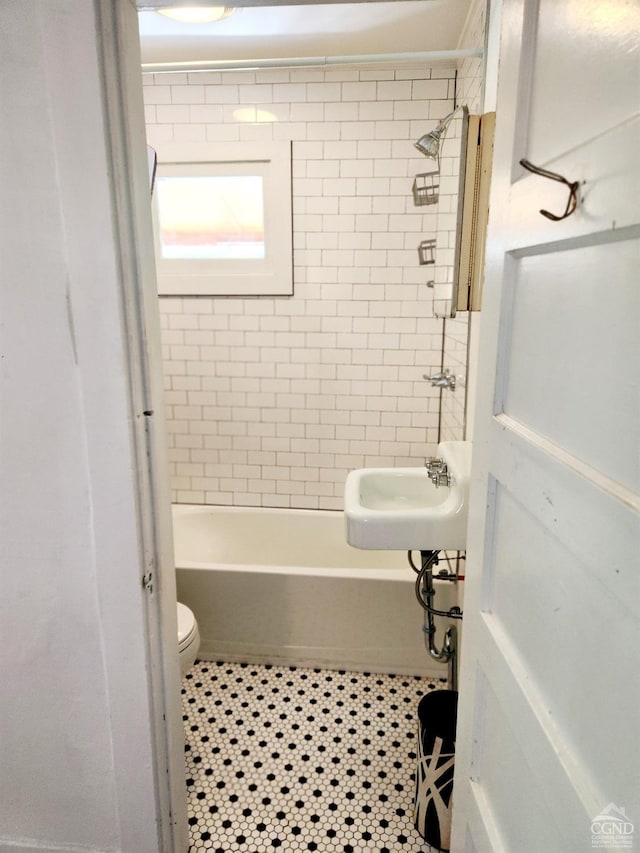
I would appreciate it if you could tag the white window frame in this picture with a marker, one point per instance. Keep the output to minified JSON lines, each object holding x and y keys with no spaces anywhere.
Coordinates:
{"x":270,"y":276}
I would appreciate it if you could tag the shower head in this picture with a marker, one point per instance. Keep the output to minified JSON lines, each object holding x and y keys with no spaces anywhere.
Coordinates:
{"x":429,"y":144}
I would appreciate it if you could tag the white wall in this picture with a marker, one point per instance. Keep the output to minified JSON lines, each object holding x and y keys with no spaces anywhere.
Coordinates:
{"x":75,"y":739}
{"x":273,"y":400}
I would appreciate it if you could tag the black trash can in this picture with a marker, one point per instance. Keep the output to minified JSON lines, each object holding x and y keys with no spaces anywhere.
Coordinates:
{"x":437,"y":714}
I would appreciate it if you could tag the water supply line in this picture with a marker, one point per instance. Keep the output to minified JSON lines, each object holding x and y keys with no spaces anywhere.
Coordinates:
{"x":425,"y":593}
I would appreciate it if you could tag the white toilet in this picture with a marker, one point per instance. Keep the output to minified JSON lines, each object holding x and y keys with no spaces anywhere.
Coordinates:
{"x":188,"y":638}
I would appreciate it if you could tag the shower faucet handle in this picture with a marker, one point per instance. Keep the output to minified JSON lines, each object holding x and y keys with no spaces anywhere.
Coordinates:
{"x":443,"y":379}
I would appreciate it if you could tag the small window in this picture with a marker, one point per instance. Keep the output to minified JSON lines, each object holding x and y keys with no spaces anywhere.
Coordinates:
{"x":211,"y":217}
{"x":222,"y":220}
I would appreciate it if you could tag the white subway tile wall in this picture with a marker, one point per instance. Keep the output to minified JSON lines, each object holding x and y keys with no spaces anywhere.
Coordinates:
{"x":470,"y":92}
{"x":453,"y":406}
{"x":272,"y":400}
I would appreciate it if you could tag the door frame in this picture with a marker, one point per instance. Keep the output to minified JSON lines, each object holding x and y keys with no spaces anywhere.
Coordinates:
{"x":121,"y":82}
{"x":124,"y":108}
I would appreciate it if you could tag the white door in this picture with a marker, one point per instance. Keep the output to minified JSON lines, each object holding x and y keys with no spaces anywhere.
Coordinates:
{"x":548,"y":751}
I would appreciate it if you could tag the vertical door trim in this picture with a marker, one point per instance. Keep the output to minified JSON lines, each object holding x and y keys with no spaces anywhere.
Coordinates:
{"x":127,"y":154}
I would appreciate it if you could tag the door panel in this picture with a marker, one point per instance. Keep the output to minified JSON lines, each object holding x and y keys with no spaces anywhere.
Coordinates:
{"x":511,"y":717}
{"x":570,"y":368}
{"x":573,"y":52}
{"x":504,"y":756}
{"x":534,"y":565}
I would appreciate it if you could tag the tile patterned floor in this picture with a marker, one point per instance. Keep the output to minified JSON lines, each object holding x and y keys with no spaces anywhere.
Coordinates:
{"x":300,"y":759}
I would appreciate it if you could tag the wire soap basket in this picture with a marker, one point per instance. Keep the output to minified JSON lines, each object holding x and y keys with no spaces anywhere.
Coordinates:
{"x":427,"y":252}
{"x":426,"y":188}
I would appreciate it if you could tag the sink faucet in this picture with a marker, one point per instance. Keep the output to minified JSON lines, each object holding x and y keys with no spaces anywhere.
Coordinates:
{"x":437,"y":471}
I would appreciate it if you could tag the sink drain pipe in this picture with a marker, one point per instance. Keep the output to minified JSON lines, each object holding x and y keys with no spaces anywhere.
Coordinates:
{"x":425,"y":593}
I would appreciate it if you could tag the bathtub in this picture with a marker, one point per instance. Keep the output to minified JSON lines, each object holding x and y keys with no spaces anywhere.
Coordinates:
{"x":284,"y":587}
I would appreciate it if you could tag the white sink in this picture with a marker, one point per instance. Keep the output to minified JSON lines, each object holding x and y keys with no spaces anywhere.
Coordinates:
{"x":402,"y":509}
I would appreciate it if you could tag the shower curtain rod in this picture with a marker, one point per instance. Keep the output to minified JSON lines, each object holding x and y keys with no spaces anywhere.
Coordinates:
{"x":308,"y":61}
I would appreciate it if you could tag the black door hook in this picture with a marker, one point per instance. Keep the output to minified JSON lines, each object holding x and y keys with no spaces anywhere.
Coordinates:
{"x":572,"y":203}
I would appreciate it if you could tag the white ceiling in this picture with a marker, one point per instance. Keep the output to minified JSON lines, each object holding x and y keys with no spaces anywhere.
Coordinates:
{"x":317,"y":30}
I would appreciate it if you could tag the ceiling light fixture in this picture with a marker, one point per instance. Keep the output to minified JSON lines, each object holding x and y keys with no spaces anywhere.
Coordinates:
{"x":197,"y":14}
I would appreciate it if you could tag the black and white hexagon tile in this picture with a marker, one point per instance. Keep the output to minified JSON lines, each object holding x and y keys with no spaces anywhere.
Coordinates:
{"x":301,"y":759}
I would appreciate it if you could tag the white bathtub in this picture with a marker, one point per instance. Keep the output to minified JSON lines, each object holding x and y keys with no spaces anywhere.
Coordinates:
{"x":284,"y":587}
